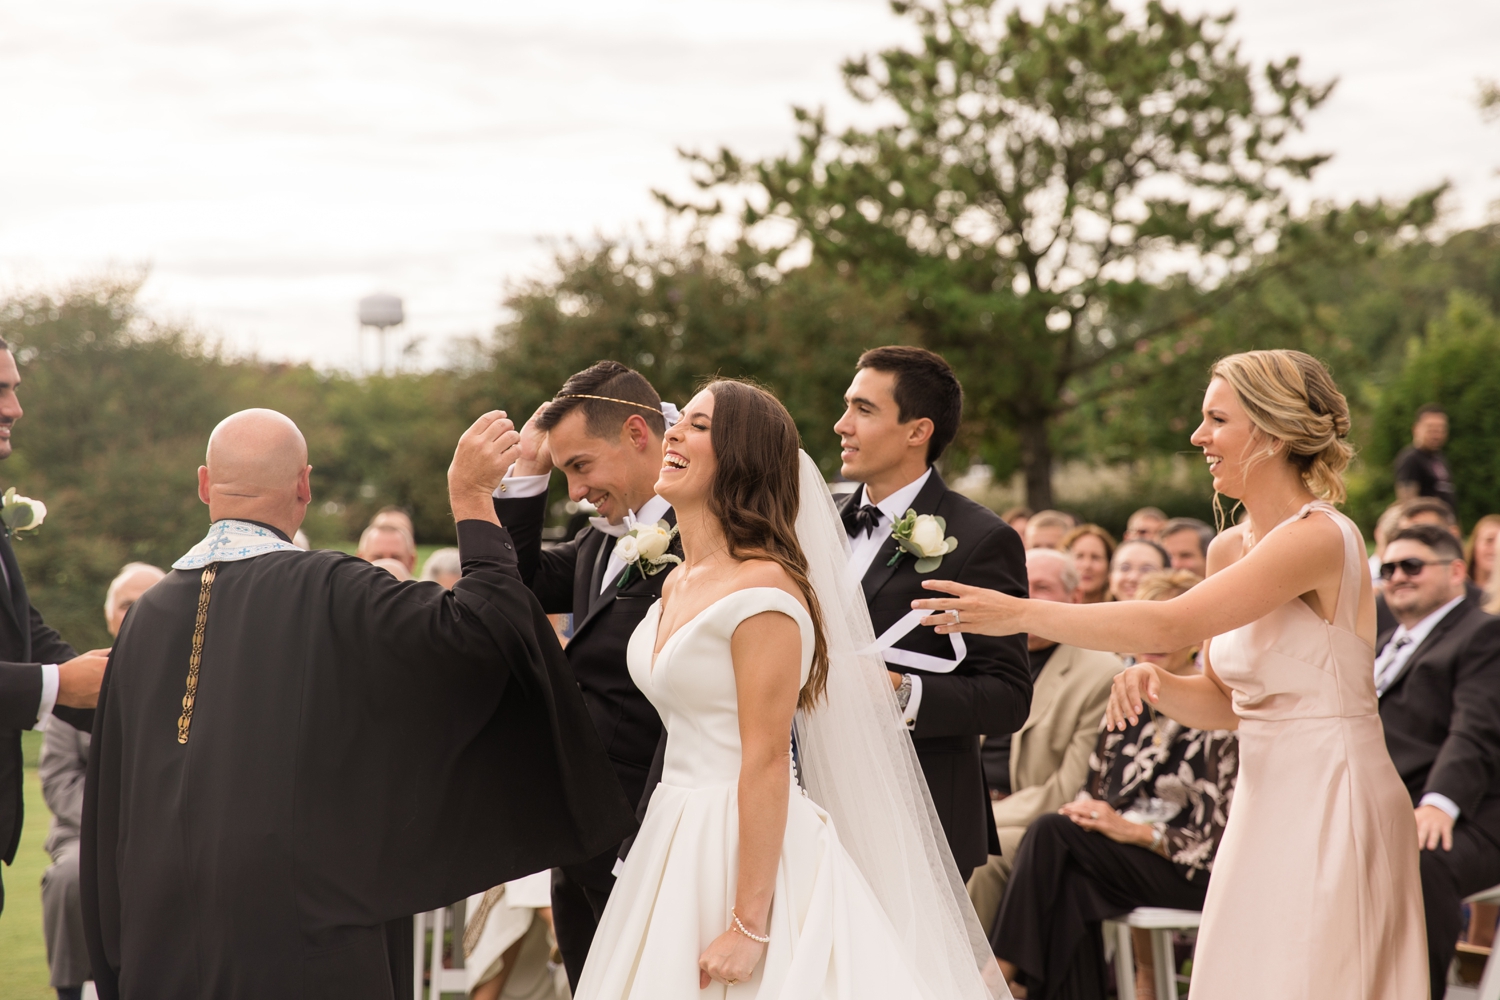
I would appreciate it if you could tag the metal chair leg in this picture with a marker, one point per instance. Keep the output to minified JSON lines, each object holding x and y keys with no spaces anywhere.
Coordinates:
{"x":1166,"y":973}
{"x":435,"y":966}
{"x":1124,"y":962}
{"x":419,"y":928}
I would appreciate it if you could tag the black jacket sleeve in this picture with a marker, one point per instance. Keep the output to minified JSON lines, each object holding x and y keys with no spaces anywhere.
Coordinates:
{"x":548,"y":572}
{"x":1465,"y":768}
{"x":20,"y":694}
{"x":990,"y":694}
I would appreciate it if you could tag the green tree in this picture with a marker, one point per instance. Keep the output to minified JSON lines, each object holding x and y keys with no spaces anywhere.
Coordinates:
{"x":1454,"y":364}
{"x":680,"y":313}
{"x":1041,"y":178}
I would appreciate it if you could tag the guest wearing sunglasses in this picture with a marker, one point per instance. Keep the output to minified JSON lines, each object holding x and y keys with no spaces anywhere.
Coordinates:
{"x":1438,"y":677}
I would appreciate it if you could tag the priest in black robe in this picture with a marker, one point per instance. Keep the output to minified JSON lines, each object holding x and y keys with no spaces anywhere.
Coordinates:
{"x":294,"y":751}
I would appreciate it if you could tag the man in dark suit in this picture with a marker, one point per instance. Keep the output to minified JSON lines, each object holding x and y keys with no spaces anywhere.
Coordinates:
{"x":40,"y":675}
{"x":1438,"y":676}
{"x":604,"y":431}
{"x":902,"y":410}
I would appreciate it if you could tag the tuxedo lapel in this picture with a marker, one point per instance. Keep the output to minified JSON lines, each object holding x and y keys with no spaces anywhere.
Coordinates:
{"x":1439,"y":630}
{"x":601,"y":596}
{"x":16,"y":595}
{"x":881,"y":571}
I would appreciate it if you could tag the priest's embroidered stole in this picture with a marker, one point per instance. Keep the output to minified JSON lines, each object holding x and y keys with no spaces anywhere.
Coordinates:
{"x":200,"y":624}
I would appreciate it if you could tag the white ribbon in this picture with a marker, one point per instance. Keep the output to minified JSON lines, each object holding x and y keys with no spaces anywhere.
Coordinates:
{"x":670,"y":413}
{"x":922,"y":661}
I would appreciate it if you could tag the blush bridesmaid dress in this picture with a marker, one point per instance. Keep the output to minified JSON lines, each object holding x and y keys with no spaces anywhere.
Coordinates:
{"x":1315,"y":891}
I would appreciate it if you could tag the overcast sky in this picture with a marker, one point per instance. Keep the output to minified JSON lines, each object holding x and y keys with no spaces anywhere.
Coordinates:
{"x":272,"y":161}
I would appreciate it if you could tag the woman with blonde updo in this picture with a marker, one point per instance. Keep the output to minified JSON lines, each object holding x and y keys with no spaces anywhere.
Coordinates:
{"x":1315,"y":891}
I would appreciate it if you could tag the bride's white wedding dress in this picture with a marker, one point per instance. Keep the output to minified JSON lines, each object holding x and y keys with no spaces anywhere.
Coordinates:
{"x":867,"y":903}
{"x":829,"y":936}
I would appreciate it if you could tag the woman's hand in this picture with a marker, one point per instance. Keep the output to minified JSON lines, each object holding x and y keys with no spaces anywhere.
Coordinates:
{"x":730,"y":958}
{"x":1100,"y":817}
{"x":987,"y":612}
{"x":1133,"y":687}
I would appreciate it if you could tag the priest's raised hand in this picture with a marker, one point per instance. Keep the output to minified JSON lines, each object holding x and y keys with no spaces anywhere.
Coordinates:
{"x":295,"y":751}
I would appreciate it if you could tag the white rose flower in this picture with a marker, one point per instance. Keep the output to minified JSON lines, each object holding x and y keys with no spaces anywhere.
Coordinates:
{"x":627,"y":549}
{"x":38,"y":513}
{"x":927,"y":535}
{"x":652,"y":542}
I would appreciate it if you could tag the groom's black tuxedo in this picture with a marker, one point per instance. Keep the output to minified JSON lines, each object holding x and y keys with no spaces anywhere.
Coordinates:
{"x":26,"y":642}
{"x":566,"y":579}
{"x":1441,"y":716}
{"x":989,"y":693}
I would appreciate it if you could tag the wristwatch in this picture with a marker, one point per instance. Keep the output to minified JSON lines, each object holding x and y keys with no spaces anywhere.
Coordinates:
{"x":903,"y":693}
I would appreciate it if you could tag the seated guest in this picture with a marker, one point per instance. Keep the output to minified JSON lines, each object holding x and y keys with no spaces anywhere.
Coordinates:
{"x":1385,"y":527}
{"x":1438,"y":677}
{"x":1144,"y":524}
{"x":388,"y":541}
{"x":1091,"y":548}
{"x":443,"y":567}
{"x":64,"y":760}
{"x":1479,"y":550}
{"x":1429,"y":510}
{"x":1186,"y":541}
{"x":395,"y":567}
{"x":1048,"y":758}
{"x":508,"y":943}
{"x":1132,"y":561}
{"x":395,"y":517}
{"x":1017,"y":517}
{"x":1045,"y":529}
{"x":1143,"y":833}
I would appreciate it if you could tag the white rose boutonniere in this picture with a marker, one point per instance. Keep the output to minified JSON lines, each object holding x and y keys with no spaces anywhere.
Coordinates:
{"x":924,"y":536}
{"x":643,"y":549}
{"x":20,"y":513}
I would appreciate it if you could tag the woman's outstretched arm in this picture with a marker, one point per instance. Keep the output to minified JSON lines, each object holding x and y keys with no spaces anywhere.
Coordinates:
{"x":767,"y":652}
{"x":1302,"y":557}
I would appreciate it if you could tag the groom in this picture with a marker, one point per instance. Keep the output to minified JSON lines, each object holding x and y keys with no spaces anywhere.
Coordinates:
{"x":604,"y":431}
{"x":902,"y":410}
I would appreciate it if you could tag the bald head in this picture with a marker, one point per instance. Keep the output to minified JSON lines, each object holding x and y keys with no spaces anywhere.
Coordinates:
{"x":257,"y":470}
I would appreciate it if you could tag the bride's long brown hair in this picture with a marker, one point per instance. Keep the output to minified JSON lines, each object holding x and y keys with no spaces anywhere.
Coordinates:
{"x":756,"y":494}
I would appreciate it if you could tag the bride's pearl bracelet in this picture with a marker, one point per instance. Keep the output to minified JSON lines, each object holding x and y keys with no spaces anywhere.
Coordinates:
{"x":746,"y":931}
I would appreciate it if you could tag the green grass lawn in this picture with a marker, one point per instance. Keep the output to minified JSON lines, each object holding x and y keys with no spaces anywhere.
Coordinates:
{"x":23,"y":954}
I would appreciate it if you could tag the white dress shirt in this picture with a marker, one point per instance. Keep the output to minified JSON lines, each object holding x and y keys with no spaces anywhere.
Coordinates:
{"x":864,"y":547}
{"x":653,"y":510}
{"x":1388,"y":665}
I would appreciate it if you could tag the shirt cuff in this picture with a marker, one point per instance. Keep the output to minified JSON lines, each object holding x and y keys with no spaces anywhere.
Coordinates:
{"x":913,"y":703}
{"x":50,"y":680}
{"x":1442,"y":802}
{"x":520,"y":487}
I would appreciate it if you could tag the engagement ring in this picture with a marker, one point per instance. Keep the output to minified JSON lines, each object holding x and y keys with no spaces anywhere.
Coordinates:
{"x":1093,"y":814}
{"x":954,"y":613}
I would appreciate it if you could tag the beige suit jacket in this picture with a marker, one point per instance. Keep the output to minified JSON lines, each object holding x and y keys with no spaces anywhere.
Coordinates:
{"x":1049,"y":757}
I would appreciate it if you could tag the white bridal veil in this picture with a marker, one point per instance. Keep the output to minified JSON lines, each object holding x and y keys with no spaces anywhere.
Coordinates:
{"x":858,"y":764}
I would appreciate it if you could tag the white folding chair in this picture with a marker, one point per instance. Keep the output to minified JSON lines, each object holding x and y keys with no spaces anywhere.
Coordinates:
{"x":439,"y":979}
{"x":1160,"y":922}
{"x":1489,"y":983}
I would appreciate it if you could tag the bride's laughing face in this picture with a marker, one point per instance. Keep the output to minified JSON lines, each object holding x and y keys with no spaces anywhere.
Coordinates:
{"x":687,"y":462}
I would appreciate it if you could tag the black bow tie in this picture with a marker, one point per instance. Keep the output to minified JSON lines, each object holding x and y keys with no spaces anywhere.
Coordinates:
{"x":862,"y":520}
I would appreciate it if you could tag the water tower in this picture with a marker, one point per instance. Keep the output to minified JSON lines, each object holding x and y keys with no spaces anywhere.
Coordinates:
{"x":381,"y":311}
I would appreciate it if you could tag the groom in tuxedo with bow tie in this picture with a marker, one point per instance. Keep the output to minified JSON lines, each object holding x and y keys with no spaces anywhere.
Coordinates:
{"x":604,"y":431}
{"x":902,"y":410}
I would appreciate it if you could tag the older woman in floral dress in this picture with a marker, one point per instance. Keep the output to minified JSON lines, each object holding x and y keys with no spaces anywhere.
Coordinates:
{"x":1142,"y":833}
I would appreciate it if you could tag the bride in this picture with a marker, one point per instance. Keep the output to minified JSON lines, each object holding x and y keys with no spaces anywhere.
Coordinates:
{"x":791,"y":849}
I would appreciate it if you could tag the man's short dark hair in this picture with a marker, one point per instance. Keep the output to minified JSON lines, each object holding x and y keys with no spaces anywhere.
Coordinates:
{"x":1430,"y":505}
{"x":607,"y":393}
{"x":1442,"y":543}
{"x":1431,"y":409}
{"x":925,"y":386}
{"x":1204,"y":530}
